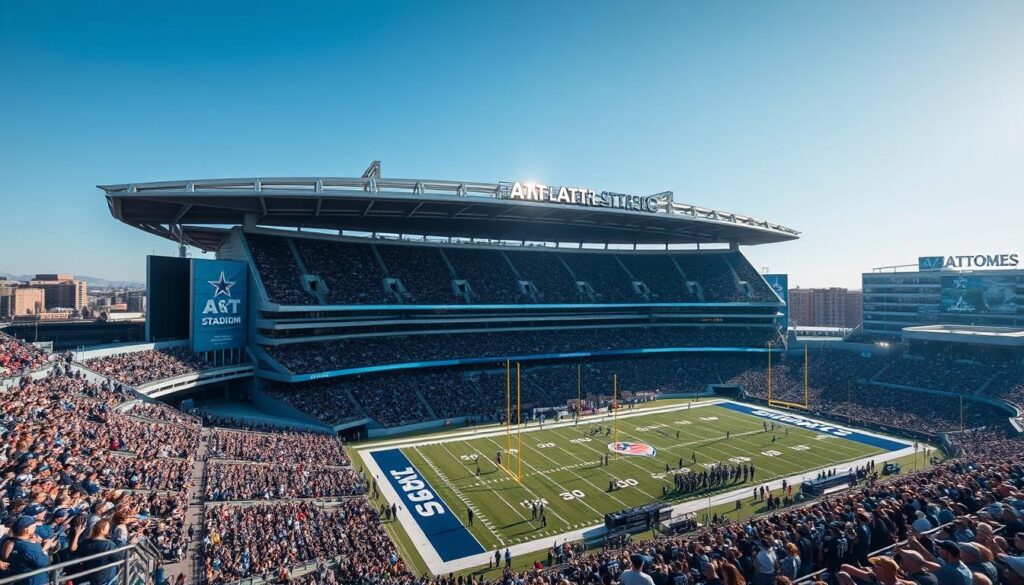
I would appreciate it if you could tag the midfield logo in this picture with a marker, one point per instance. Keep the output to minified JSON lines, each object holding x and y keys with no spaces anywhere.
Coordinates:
{"x":628,"y":448}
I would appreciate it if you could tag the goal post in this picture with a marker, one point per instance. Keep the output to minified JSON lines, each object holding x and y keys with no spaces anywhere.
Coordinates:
{"x":772,"y":401}
{"x":506,"y":465}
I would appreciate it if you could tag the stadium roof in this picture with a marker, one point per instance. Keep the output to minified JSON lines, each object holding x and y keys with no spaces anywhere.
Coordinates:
{"x":188,"y":210}
{"x":979,"y":335}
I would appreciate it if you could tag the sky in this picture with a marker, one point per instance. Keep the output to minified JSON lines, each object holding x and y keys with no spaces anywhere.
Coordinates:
{"x":882,"y":131}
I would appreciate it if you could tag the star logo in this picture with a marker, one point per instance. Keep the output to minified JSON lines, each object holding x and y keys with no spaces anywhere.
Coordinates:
{"x":221,"y":285}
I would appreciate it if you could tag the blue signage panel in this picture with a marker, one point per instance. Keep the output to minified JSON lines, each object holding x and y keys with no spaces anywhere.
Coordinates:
{"x":219,"y":304}
{"x":780,"y":284}
{"x":930,"y":262}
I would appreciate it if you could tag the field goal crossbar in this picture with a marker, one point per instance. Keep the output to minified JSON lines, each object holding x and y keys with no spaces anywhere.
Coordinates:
{"x":772,"y":401}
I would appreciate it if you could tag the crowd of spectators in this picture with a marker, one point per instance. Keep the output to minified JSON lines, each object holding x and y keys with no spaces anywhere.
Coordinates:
{"x":353,"y":274}
{"x":662,"y":277}
{"x":293,"y":446}
{"x":350,"y":271}
{"x":17,"y":357}
{"x":279,"y":271}
{"x":423,"y":273}
{"x":243,"y":541}
{"x":82,"y":458}
{"x":70,"y":460}
{"x":488,"y":273}
{"x":160,"y":412}
{"x":605,"y":275}
{"x":840,"y":533}
{"x":954,"y":524}
{"x":759,"y":290}
{"x":390,"y":400}
{"x":393,"y":399}
{"x":356,"y":352}
{"x":228,"y":481}
{"x":146,"y":366}
{"x":938,"y":373}
{"x":325,"y":400}
{"x":711,"y":271}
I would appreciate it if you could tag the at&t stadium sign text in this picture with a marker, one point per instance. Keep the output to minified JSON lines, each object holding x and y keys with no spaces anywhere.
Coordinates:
{"x":578,"y":196}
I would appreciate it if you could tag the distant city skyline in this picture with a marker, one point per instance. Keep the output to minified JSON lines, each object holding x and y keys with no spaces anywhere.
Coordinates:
{"x":881,"y":131}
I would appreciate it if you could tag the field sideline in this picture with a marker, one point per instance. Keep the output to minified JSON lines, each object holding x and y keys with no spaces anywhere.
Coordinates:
{"x":434,"y":479}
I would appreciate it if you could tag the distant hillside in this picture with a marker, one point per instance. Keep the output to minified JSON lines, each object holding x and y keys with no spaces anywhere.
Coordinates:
{"x":93,"y":281}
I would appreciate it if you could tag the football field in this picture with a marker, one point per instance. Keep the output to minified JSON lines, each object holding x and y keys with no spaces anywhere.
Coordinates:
{"x":439,"y":479}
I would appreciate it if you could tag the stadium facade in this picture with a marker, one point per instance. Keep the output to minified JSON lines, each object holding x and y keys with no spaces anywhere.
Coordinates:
{"x":358,"y":279}
{"x":972,"y":290}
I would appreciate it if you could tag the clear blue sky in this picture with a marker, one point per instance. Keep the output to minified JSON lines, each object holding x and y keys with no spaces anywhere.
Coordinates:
{"x":881,"y":130}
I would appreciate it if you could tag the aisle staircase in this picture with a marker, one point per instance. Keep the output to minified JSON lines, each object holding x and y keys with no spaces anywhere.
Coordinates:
{"x":192,"y":563}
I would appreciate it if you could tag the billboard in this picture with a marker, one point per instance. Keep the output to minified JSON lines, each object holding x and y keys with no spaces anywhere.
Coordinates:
{"x":979,"y":294}
{"x":167,"y":294}
{"x":966,"y":262}
{"x":219,"y":304}
{"x":780,"y":284}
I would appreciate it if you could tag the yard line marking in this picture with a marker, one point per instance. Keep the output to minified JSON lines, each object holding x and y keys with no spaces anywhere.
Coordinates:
{"x":592,"y":484}
{"x":646,"y":472}
{"x":497,"y":493}
{"x":458,"y":493}
{"x":559,"y":486}
{"x":535,"y":497}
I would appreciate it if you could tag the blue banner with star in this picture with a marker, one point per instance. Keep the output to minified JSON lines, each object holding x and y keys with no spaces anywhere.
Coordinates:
{"x":219,"y":304}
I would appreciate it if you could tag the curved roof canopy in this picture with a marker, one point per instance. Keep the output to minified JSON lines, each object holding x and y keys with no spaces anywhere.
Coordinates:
{"x":186,"y":210}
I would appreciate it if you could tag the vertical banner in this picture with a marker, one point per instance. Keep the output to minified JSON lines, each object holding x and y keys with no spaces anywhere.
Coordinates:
{"x":780,"y":284}
{"x":219,"y":304}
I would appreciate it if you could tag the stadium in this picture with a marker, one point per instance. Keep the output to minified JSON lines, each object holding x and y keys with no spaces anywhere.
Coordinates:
{"x":375,"y":380}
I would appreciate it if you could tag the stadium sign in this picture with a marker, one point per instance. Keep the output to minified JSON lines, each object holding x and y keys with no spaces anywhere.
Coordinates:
{"x":218,"y":304}
{"x":969,"y":261}
{"x":578,"y":196}
{"x":630,"y":448}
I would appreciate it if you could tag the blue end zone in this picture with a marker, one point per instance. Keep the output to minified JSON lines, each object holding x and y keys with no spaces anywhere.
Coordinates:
{"x":821,"y":427}
{"x":442,"y":528}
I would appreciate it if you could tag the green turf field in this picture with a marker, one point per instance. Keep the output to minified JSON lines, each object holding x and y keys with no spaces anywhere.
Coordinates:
{"x":562,"y":466}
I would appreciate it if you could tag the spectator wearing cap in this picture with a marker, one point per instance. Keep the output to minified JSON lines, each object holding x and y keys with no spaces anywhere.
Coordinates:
{"x":947,"y":566}
{"x":22,"y":554}
{"x":962,"y":530}
{"x":946,"y":514}
{"x":1013,"y":573}
{"x":974,"y":555}
{"x":634,"y":575}
{"x":883,"y":570}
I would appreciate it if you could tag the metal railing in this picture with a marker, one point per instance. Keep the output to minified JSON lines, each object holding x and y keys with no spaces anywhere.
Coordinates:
{"x":139,"y":562}
{"x":810,"y":577}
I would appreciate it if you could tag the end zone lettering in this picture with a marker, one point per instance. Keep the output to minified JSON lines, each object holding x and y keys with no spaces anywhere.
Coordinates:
{"x":803,"y":422}
{"x":430,"y":515}
{"x":416,"y":490}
